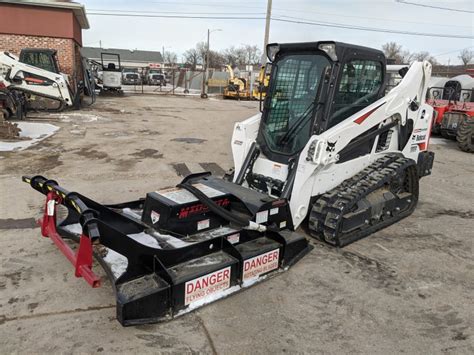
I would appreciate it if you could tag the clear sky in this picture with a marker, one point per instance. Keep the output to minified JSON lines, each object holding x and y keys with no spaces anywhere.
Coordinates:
{"x":179,"y":34}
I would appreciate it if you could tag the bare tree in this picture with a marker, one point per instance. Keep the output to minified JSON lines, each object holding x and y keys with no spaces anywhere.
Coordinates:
{"x":406,"y":57}
{"x":253,"y":54}
{"x":393,"y":51}
{"x":234,"y":56}
{"x":216,"y":60}
{"x":424,"y":55}
{"x":170,"y":58}
{"x":192,"y":58}
{"x":245,"y":54}
{"x":466,"y":55}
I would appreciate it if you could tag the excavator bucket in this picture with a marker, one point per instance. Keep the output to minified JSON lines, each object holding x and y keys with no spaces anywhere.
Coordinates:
{"x":176,"y":249}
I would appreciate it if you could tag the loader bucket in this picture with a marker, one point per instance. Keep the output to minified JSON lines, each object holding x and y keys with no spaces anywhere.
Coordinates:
{"x":159,"y":273}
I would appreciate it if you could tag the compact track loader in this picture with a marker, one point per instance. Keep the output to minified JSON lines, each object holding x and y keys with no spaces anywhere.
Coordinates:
{"x":30,"y":79}
{"x":328,"y":147}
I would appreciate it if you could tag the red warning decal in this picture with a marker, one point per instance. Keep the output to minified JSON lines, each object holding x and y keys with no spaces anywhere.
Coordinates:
{"x":260,"y":264}
{"x":206,"y":285}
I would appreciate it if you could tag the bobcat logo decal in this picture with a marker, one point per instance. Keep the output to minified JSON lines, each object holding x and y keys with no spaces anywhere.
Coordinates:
{"x":331,"y":146}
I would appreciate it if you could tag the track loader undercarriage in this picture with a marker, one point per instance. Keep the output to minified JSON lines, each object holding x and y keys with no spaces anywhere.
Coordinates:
{"x":380,"y":195}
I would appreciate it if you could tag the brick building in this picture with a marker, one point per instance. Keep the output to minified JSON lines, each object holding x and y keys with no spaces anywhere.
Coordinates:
{"x":44,"y":24}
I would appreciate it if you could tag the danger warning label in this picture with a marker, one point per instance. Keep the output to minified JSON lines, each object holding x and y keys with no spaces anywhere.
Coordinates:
{"x":206,"y":285}
{"x":260,"y":264}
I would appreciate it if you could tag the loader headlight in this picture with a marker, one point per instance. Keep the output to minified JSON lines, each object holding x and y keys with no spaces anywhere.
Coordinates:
{"x":272,"y":50}
{"x":315,"y":152}
{"x":330,"y":49}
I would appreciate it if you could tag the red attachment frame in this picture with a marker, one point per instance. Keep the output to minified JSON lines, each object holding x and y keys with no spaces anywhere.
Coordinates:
{"x":82,"y":260}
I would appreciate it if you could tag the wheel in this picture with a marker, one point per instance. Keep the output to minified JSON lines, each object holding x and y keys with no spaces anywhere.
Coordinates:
{"x":465,"y":135}
{"x":444,"y":134}
{"x":19,"y":111}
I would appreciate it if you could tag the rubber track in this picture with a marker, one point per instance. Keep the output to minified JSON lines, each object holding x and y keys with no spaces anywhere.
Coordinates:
{"x":328,"y":210}
{"x":464,"y":135}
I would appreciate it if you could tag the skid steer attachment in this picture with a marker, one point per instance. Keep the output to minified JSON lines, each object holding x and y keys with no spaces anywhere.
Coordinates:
{"x":177,"y":249}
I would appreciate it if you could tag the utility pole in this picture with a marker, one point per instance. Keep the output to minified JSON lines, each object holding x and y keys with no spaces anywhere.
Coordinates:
{"x":163,"y":55}
{"x":205,"y":69}
{"x":267,"y":32}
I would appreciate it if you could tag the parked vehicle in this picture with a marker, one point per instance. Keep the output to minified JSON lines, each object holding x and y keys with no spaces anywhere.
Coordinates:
{"x":131,"y":76}
{"x":157,"y":79}
{"x":111,"y":72}
{"x":150,"y":77}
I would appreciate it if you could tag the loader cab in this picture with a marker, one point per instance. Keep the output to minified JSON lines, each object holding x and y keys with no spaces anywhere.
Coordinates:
{"x":313,"y":87}
{"x":43,"y":58}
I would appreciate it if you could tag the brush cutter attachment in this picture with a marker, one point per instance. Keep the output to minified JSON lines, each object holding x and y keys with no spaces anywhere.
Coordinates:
{"x":178,"y":248}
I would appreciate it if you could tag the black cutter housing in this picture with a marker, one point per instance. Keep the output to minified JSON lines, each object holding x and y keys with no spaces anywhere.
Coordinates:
{"x":153,"y":287}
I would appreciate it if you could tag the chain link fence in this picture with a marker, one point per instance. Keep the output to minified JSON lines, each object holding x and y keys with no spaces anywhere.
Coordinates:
{"x":179,"y":82}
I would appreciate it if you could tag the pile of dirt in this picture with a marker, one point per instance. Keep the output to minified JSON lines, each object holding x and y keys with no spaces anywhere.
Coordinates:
{"x":8,"y":130}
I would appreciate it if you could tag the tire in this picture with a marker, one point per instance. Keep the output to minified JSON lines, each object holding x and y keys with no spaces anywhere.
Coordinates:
{"x":19,"y":111}
{"x":444,"y":134}
{"x":465,"y":135}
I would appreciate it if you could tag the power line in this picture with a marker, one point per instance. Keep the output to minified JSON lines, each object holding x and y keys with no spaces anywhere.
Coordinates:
{"x":434,"y":7}
{"x":177,"y":12}
{"x":215,"y":4}
{"x":178,"y":16}
{"x":369,"y":18}
{"x":295,"y":20}
{"x":457,"y":50}
{"x":263,"y":13}
{"x":369,"y":29}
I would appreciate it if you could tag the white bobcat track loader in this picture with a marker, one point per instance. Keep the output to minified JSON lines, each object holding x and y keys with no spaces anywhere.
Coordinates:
{"x":33,"y":80}
{"x":326,"y":121}
{"x":328,"y":144}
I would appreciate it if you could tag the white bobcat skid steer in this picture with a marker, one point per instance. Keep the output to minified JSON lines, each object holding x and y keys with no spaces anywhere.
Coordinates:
{"x":330,"y":142}
{"x":33,"y":80}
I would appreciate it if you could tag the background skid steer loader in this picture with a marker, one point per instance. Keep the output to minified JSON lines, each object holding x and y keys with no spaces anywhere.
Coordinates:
{"x":33,"y":80}
{"x":327,"y":145}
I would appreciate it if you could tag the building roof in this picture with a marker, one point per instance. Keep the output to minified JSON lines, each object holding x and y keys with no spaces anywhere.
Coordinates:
{"x":79,"y":10}
{"x":126,"y":55}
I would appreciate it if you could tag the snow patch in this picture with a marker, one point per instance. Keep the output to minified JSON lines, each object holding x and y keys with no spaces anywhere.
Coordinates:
{"x":145,"y":239}
{"x":117,"y":262}
{"x":170,"y":240}
{"x":209,"y":299}
{"x":36,"y":132}
{"x":132,"y":213}
{"x":75,"y":228}
{"x":248,"y":283}
{"x":77,"y":116}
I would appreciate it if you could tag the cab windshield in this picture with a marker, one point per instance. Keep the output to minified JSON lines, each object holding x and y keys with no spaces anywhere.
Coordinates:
{"x":295,"y":82}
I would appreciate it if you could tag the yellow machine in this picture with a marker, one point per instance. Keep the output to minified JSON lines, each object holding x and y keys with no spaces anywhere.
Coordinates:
{"x":237,"y":88}
{"x":261,"y":85}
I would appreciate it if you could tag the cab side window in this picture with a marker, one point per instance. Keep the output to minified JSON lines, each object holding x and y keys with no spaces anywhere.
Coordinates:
{"x":359,"y":86}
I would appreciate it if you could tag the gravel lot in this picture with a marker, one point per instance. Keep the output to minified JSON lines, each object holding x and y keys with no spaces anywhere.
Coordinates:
{"x":408,"y":288}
